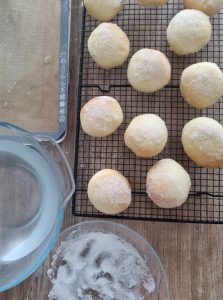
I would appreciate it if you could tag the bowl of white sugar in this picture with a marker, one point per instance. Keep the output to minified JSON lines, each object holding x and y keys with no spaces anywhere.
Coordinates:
{"x":100,"y":260}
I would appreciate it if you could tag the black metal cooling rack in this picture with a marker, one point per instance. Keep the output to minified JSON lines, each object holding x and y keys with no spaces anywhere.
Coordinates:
{"x":146,"y":28}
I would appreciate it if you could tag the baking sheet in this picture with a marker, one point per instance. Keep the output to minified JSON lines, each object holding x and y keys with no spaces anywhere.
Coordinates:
{"x":33,"y":64}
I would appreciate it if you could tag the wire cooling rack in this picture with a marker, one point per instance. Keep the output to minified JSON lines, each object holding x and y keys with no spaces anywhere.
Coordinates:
{"x":147,"y":28}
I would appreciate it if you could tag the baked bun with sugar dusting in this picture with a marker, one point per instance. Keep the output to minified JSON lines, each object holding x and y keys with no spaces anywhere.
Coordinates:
{"x":108,"y":45}
{"x":201,"y":84}
{"x":209,"y":7}
{"x":103,"y":10}
{"x":189,"y":31}
{"x":109,"y":191}
{"x":101,"y":116}
{"x":202,"y":139}
{"x":152,"y":3}
{"x":146,"y":135}
{"x":148,"y":71}
{"x":168,"y":184}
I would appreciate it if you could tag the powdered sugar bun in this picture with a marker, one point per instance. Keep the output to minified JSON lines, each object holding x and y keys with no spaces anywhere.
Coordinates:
{"x":202,"y":139}
{"x":103,"y":10}
{"x":189,"y":31}
{"x":149,"y":70}
{"x":109,"y":191}
{"x":201,"y":84}
{"x":108,"y":45}
{"x":168,"y":184}
{"x":146,"y":135}
{"x":101,"y":116}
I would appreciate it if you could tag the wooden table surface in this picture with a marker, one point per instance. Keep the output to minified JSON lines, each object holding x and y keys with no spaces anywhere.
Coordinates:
{"x":192,"y":254}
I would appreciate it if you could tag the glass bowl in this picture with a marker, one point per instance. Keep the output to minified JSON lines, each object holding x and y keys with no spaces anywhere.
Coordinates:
{"x":161,"y":290}
{"x":36,"y":183}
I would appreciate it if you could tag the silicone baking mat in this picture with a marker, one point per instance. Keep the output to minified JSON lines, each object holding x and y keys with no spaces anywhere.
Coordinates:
{"x":147,"y":28}
{"x":34,"y":41}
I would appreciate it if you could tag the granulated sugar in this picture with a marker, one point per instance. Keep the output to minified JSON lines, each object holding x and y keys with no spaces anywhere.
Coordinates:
{"x":99,"y":266}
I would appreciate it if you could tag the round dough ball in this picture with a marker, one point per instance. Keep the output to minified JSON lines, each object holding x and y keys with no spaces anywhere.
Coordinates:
{"x":108,"y":46}
{"x":202,"y":139}
{"x":202,"y":84}
{"x":168,"y":184}
{"x":101,"y":116}
{"x":103,"y":10}
{"x":146,"y":135}
{"x":109,"y":191}
{"x":189,"y":31}
{"x":210,"y":7}
{"x":152,"y":3}
{"x":148,"y":71}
